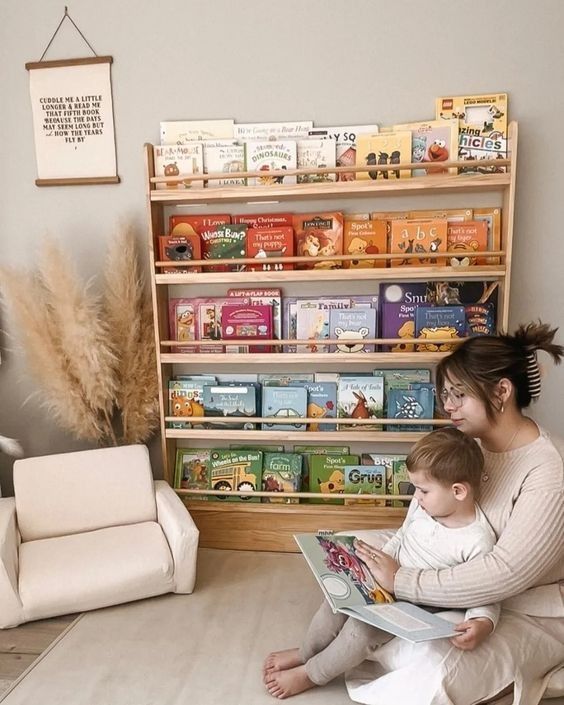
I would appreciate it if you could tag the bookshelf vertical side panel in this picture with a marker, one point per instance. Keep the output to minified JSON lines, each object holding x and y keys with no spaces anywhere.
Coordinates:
{"x":508,"y":215}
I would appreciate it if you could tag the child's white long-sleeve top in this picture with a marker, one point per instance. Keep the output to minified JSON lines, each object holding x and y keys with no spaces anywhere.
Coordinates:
{"x":422,"y":542}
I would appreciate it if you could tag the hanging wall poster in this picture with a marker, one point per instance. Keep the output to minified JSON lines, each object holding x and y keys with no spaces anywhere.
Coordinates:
{"x":73,"y":121}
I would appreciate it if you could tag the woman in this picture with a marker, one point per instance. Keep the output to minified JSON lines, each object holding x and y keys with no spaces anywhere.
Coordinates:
{"x":483,"y":386}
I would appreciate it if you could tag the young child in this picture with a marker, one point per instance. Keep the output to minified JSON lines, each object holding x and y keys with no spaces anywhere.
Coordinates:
{"x":444,"y":526}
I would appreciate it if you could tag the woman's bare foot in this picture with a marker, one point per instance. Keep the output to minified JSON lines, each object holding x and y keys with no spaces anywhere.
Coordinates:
{"x":284,"y":684}
{"x":281,"y":661}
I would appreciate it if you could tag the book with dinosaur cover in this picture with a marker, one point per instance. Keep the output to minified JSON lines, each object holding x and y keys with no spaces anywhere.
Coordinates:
{"x":270,"y":156}
{"x":386,"y":148}
{"x":350,"y":588}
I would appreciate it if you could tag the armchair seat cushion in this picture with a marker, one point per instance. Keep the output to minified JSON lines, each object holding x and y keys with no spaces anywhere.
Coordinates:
{"x":94,"y":569}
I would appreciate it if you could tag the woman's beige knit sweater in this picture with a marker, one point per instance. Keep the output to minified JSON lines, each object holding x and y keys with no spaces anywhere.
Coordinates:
{"x":522,"y":496}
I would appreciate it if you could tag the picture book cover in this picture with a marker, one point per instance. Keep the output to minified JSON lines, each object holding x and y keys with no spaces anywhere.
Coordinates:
{"x":208,"y":319}
{"x":284,"y":403}
{"x":365,"y":479}
{"x":289,"y":323}
{"x":281,"y":472}
{"x":432,"y":142}
{"x":418,"y":236}
{"x":452,"y":293}
{"x":350,"y":588}
{"x":270,"y":156}
{"x":365,"y":237}
{"x":451,"y":215}
{"x":388,"y":462}
{"x":230,"y":400}
{"x":480,"y":319}
{"x":327,"y":475}
{"x":318,"y":235}
{"x":266,"y":243}
{"x":185,"y":401}
{"x":246,"y":322}
{"x":467,"y":238}
{"x":398,"y":301}
{"x":183,"y":131}
{"x":225,"y":157}
{"x":264,"y":297}
{"x":354,"y":325}
{"x":179,"y":160}
{"x":179,"y":248}
{"x":224,"y":242}
{"x":313,"y":153}
{"x":272,"y":131}
{"x":492,"y":218}
{"x":417,"y":402}
{"x":432,"y":322}
{"x":265,"y":220}
{"x":192,"y":471}
{"x":401,"y":483}
{"x":344,"y":138}
{"x":182,"y":321}
{"x":403,"y":378}
{"x":284,"y":380}
{"x":360,"y":398}
{"x":196,"y":224}
{"x":482,"y":131}
{"x":312,"y":321}
{"x":385,"y":148}
{"x":306,"y":451}
{"x":236,"y":470}
{"x":321,"y":404}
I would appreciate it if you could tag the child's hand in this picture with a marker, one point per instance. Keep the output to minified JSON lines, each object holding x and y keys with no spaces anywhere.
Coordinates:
{"x":382,"y":566}
{"x":472,"y":633}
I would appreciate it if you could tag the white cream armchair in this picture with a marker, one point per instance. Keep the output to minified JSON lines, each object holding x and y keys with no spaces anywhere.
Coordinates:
{"x":90,"y":529}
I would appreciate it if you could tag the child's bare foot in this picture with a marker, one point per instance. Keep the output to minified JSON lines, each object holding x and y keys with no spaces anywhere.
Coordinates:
{"x":281,"y":661}
{"x":284,"y":684}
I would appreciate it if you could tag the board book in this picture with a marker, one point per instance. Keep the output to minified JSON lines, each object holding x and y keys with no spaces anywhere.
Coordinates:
{"x":344,"y":137}
{"x":386,"y":148}
{"x":350,"y":588}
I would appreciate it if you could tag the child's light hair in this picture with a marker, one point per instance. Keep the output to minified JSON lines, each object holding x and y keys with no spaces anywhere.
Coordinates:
{"x":448,"y":456}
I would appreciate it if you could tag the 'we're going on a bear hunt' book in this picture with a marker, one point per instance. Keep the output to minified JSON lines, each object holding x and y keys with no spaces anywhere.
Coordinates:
{"x":350,"y":588}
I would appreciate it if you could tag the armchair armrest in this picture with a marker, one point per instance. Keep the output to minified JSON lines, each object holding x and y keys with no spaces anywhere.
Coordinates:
{"x":181,"y":533}
{"x":11,"y":613}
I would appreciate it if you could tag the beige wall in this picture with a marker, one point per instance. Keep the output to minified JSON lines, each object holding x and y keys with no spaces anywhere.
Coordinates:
{"x":335,"y":61}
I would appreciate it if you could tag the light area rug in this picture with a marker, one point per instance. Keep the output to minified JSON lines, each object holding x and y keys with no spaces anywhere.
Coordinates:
{"x":201,"y":649}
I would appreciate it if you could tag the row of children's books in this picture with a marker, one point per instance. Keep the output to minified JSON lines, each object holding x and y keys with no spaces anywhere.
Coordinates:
{"x":469,"y":128}
{"x":434,"y":311}
{"x":462,"y":232}
{"x":395,"y":394}
{"x":327,"y":470}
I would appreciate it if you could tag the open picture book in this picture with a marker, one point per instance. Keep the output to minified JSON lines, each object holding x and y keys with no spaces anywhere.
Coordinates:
{"x":350,"y":588}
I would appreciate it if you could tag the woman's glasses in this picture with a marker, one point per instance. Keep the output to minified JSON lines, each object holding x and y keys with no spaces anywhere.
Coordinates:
{"x":454,"y":395}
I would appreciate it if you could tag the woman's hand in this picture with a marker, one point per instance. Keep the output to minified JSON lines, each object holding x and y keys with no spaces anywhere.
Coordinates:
{"x":472,"y":633}
{"x":382,"y":566}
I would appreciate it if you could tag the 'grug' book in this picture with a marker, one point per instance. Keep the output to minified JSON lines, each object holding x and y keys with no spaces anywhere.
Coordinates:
{"x":350,"y":588}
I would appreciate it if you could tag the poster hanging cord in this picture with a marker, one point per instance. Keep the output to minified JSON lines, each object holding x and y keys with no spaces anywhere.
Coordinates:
{"x":59,"y":27}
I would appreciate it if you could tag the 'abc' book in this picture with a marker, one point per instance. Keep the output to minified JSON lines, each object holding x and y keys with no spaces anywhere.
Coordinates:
{"x":418,"y":237}
{"x":365,"y":237}
{"x":439,"y":322}
{"x":353,"y":325}
{"x":384,"y":149}
{"x":236,"y":470}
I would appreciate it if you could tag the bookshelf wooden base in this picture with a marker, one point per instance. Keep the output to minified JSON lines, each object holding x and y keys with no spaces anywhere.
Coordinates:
{"x":270,"y":527}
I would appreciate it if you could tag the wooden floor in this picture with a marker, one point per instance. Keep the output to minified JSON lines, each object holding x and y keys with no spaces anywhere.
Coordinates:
{"x":20,"y":646}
